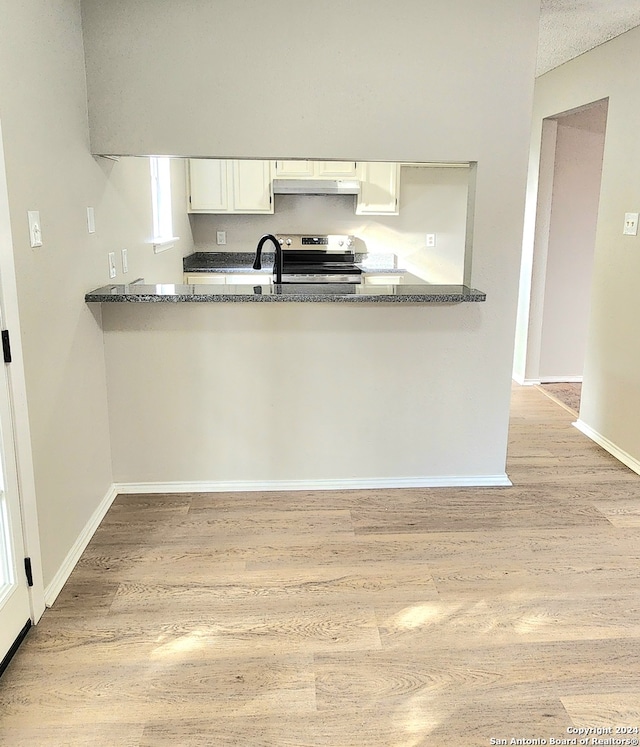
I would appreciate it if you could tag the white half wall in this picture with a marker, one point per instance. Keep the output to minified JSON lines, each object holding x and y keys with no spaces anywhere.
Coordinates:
{"x":296,"y":392}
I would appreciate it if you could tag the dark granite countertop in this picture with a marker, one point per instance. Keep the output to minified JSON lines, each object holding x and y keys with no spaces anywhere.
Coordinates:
{"x":241,"y":262}
{"x":287,"y":292}
{"x":227,"y":262}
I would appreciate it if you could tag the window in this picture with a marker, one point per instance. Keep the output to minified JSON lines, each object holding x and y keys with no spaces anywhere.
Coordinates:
{"x":163,"y":237}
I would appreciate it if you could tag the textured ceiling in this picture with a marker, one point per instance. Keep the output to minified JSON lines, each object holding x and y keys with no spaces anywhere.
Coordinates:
{"x":570,"y":27}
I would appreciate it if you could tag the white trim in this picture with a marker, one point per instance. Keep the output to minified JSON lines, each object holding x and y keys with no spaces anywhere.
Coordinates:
{"x":472,"y":481}
{"x":20,"y":414}
{"x":68,"y":564}
{"x":526,"y":382}
{"x":162,"y":244}
{"x":560,"y":380}
{"x":609,"y":446}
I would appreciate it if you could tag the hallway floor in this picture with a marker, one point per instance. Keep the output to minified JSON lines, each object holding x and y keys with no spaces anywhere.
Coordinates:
{"x":566,"y":394}
{"x":380,"y":618}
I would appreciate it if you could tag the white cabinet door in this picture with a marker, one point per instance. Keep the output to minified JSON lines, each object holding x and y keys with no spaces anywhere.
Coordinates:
{"x":204,"y":278}
{"x":219,"y":278}
{"x":316,"y":169}
{"x":208,"y":185}
{"x":294,"y":169}
{"x":252,"y":187}
{"x":257,"y":279}
{"x":383,"y":279}
{"x":379,"y":187}
{"x":229,"y":186}
{"x":336,"y":169}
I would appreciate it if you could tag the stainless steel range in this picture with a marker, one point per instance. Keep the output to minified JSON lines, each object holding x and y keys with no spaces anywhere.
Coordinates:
{"x":317,"y":258}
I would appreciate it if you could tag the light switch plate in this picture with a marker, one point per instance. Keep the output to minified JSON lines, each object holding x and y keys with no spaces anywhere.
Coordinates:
{"x":221,"y":238}
{"x":125,"y":262}
{"x":630,"y":224}
{"x":91,"y":220}
{"x":112,"y":265}
{"x":35,"y":232}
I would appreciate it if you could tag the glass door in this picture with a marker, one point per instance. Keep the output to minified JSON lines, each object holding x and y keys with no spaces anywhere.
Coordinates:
{"x":15,"y":600}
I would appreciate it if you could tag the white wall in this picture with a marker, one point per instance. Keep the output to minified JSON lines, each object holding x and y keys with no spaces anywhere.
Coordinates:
{"x":364,"y":80}
{"x":610,"y":405}
{"x":437,"y":81}
{"x":49,"y":168}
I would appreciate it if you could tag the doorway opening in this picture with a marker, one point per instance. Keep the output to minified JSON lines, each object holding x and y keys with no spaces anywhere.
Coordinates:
{"x":558,"y":285}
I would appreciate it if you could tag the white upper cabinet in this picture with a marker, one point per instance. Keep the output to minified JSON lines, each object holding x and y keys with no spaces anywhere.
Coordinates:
{"x":336,"y":169}
{"x":252,"y":187}
{"x":379,"y":189}
{"x":207,"y":180}
{"x":294,"y":169}
{"x":316,"y":169}
{"x":229,"y":186}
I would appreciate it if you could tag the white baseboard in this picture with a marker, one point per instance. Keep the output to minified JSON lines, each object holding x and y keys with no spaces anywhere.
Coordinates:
{"x":68,"y":564}
{"x":560,"y":380}
{"x":345,"y":484}
{"x":526,"y":382}
{"x":609,"y":446}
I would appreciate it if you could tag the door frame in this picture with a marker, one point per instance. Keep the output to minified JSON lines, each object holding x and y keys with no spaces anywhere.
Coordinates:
{"x":535,"y":249}
{"x":19,"y":426}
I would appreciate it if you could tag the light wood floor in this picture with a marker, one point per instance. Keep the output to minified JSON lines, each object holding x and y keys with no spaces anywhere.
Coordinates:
{"x":369,"y":618}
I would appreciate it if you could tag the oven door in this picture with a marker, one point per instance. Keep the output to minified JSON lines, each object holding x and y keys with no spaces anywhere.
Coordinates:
{"x":319,"y":267}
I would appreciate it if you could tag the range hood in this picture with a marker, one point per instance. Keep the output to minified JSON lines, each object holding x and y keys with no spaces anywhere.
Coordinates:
{"x":316,"y":187}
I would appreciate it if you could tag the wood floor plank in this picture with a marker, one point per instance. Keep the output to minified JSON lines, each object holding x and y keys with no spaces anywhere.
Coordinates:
{"x":621,"y":513}
{"x":59,"y":735}
{"x":471,"y":515}
{"x":238,"y":588}
{"x":542,"y":669}
{"x":605,"y":710}
{"x":418,"y":722}
{"x":517,"y":616}
{"x":140,"y":693}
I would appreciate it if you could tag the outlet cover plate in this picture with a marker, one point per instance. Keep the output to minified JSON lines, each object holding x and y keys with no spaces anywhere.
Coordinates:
{"x":630,"y":224}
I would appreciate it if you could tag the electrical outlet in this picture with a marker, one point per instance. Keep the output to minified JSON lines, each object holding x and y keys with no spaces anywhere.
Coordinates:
{"x":35,"y":233}
{"x":221,"y":238}
{"x":112,"y":265}
{"x":125,"y":262}
{"x":630,"y":224}
{"x":431,"y":239}
{"x":91,"y":220}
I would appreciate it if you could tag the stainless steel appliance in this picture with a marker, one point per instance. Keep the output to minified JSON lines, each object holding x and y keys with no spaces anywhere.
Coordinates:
{"x":316,"y":187}
{"x":317,"y":258}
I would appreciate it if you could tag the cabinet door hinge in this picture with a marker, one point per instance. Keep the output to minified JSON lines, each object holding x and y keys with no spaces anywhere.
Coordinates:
{"x":28,"y":571}
{"x":6,"y":346}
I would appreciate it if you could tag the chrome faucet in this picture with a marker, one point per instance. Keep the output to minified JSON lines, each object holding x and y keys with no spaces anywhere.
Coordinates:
{"x":277,"y":265}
